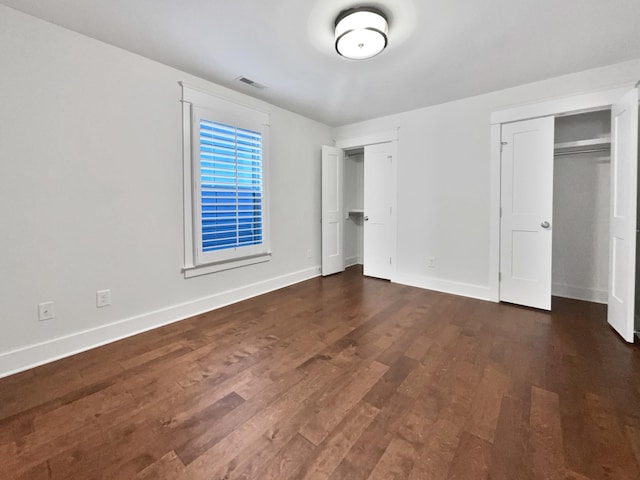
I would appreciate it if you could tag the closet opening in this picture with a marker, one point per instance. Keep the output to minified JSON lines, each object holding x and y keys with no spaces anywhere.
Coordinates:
{"x":368,"y":199}
{"x":354,"y":207}
{"x":581,"y":206}
{"x":358,"y":205}
{"x":566,"y":173}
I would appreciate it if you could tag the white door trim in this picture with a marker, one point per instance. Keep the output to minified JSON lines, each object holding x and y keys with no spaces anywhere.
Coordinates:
{"x":368,"y":139}
{"x":559,"y":106}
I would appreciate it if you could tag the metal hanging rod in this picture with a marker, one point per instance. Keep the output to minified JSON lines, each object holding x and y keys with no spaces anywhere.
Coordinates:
{"x":586,"y":150}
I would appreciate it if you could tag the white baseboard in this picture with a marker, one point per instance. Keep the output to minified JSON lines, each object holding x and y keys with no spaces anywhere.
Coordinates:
{"x":580,"y":293}
{"x":350,"y":261}
{"x":480,"y":292}
{"x":38,"y":354}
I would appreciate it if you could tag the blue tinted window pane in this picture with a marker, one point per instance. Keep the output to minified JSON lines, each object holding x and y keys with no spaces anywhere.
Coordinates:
{"x":231,"y":186}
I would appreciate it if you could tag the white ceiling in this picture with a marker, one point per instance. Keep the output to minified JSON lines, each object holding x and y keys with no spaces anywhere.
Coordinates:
{"x":439,"y":50}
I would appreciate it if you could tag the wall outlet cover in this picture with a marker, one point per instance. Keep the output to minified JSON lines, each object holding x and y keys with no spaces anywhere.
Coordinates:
{"x":103,"y":298}
{"x":46,"y":311}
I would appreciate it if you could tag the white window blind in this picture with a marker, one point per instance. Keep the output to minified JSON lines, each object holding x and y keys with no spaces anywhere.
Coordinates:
{"x":230,"y":186}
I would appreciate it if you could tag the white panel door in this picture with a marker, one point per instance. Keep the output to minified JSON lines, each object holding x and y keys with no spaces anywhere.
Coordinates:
{"x":378,"y":191}
{"x":526,"y":209}
{"x":622,"y":229}
{"x":332,"y":210}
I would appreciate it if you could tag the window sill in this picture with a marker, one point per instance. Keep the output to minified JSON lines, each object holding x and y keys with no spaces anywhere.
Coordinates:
{"x":197,"y":270}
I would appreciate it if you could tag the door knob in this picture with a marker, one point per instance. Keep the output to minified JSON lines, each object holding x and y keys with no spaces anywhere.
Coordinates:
{"x":545,"y":224}
{"x":366,"y":219}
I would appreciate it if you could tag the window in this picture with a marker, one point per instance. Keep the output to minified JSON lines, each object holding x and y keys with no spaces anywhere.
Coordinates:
{"x":230,"y":186}
{"x":226,"y":222}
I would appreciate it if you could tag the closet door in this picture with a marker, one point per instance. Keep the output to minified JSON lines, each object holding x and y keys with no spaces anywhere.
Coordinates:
{"x":622,"y":230}
{"x":378,"y":191}
{"x":526,"y":212}
{"x":332,"y":210}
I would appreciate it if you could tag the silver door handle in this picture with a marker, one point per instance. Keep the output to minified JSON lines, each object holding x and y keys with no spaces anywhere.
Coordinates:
{"x":545,"y":224}
{"x":366,"y":219}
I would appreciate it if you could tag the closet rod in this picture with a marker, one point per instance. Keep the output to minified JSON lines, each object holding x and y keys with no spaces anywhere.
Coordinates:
{"x":575,"y":152}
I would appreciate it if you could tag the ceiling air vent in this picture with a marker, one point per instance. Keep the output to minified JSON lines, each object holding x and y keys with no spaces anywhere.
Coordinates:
{"x":248,"y":81}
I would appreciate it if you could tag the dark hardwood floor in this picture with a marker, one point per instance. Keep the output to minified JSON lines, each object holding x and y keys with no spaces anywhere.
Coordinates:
{"x":342,"y":377}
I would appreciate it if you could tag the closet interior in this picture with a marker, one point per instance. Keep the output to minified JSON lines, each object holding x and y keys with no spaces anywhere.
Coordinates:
{"x":354,"y":206}
{"x":581,"y":206}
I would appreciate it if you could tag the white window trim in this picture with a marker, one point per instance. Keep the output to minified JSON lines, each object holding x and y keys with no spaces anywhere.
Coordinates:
{"x":231,"y":113}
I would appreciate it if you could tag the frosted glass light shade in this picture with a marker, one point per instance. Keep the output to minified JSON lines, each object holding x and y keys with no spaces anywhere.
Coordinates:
{"x":361,"y":33}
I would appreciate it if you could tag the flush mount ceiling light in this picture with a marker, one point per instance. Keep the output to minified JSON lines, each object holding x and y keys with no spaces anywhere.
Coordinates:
{"x":361,"y":33}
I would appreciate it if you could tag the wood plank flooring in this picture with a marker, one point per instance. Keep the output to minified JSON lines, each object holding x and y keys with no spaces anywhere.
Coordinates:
{"x":342,"y":377}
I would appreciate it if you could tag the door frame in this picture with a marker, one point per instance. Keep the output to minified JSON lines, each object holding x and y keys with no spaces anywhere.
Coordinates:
{"x":561,"y":106}
{"x":387,"y":136}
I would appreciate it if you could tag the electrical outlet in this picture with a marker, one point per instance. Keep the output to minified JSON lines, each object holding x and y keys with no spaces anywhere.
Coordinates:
{"x":103,"y":298}
{"x":46,"y":311}
{"x":431,"y":262}
{"x":308,"y":253}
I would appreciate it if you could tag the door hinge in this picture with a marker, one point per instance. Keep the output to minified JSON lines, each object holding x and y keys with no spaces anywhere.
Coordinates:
{"x":502,"y":144}
{"x":499,"y":276}
{"x":389,"y":260}
{"x":500,"y":212}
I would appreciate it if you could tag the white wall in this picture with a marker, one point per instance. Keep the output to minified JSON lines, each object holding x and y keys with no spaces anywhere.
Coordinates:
{"x":444,"y":178}
{"x":91,"y":194}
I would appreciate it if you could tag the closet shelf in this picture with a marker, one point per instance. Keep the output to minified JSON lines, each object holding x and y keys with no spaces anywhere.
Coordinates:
{"x":356,"y":211}
{"x":592,"y":144}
